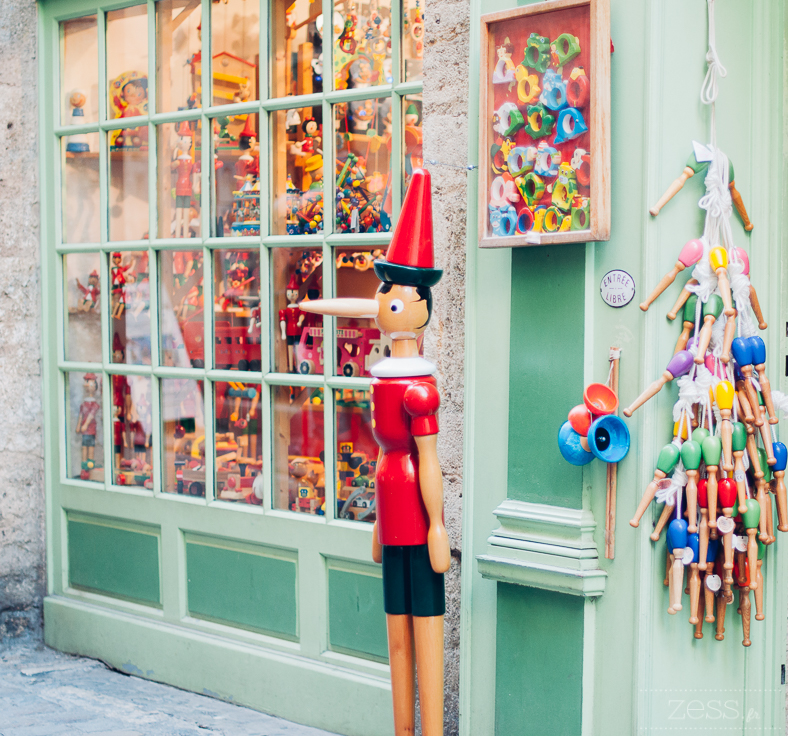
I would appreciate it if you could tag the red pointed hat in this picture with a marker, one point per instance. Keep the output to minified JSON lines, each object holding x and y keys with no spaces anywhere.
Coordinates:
{"x":410,"y":260}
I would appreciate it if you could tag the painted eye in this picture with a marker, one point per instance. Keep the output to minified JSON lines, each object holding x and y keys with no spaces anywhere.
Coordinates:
{"x":396,"y":305}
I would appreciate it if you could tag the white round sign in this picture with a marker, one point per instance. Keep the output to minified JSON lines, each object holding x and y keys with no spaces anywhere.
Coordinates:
{"x":617,"y":288}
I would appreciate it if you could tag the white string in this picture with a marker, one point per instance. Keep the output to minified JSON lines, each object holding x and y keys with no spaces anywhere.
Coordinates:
{"x":708,"y":92}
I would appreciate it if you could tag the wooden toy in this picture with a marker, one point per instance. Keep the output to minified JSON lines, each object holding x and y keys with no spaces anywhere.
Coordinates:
{"x":718,"y":258}
{"x":724,"y":393}
{"x":727,"y":339}
{"x":679,"y":364}
{"x":711,"y":311}
{"x":690,"y":254}
{"x":677,"y":541}
{"x":712,"y":450}
{"x":696,"y":610}
{"x":690,"y":458}
{"x":689,"y":324}
{"x":681,"y":301}
{"x":758,"y":354}
{"x":666,"y":463}
{"x":409,"y":536}
{"x":778,"y":471}
{"x":664,"y":517}
{"x":756,"y":307}
{"x":751,"y":519}
{"x":738,"y":445}
{"x":759,"y":588}
{"x":727,"y":496}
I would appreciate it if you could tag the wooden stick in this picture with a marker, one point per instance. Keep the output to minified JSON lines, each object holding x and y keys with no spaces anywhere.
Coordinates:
{"x":403,"y":685}
{"x":721,"y":606}
{"x":666,"y":281}
{"x":672,"y":190}
{"x":667,"y":513}
{"x":699,"y":618}
{"x":696,"y":611}
{"x":681,"y":301}
{"x":738,"y":203}
{"x":612,"y":480}
{"x":756,"y":307}
{"x":759,"y":593}
{"x":428,"y":635}
{"x":744,"y":606}
{"x":708,"y":595}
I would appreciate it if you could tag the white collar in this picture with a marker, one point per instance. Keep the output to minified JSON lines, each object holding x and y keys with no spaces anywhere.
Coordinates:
{"x":402,"y":368}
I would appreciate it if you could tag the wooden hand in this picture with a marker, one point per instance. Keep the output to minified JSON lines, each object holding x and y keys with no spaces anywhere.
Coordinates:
{"x":431,"y":482}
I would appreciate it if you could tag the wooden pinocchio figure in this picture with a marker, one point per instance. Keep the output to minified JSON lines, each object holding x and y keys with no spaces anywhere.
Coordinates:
{"x":86,"y":425}
{"x":410,"y":537}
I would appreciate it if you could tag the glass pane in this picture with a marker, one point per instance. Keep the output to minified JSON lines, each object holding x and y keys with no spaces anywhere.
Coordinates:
{"x":297,"y":171}
{"x":80,"y":71}
{"x":179,"y":179}
{"x":83,"y":315}
{"x":85,"y":439}
{"x":81,"y":220}
{"x":128,"y":186}
{"x":362,"y":45}
{"x":359,"y":343}
{"x":132,"y":429}
{"x":236,"y":166}
{"x":130,"y":307}
{"x":412,"y":138}
{"x":127,"y":65}
{"x":298,"y":336}
{"x":236,"y":51}
{"x":412,"y":39}
{"x":181,"y":309}
{"x":239,"y":442}
{"x":363,"y":175}
{"x":299,"y":473}
{"x":297,"y":47}
{"x":237,"y":310}
{"x":183,"y":420}
{"x":178,"y":55}
{"x":357,"y":456}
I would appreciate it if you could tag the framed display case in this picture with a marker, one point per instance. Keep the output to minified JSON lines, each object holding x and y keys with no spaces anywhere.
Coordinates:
{"x":544,"y":144}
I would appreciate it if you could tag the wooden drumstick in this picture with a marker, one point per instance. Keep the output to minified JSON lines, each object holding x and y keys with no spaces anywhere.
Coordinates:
{"x":689,"y":324}
{"x":711,"y":310}
{"x":667,"y":513}
{"x":745,"y":608}
{"x":703,"y":530}
{"x":759,"y":361}
{"x":723,"y":394}
{"x":685,"y":294}
{"x":690,"y":254}
{"x":679,"y":364}
{"x":778,"y":484}
{"x":718,"y":258}
{"x":666,"y":463}
{"x":673,"y":190}
{"x":727,"y":338}
{"x":739,"y":204}
{"x":756,"y":307}
{"x":751,"y":519}
{"x":690,"y":458}
{"x":738,"y":443}
{"x":677,"y":542}
{"x":712,"y":450}
{"x":742,"y":354}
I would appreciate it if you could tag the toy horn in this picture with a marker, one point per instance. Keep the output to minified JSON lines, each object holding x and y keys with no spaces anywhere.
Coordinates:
{"x":570,"y":444}
{"x":608,"y":439}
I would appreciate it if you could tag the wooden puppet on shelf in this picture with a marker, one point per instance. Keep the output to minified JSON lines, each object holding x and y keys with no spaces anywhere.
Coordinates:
{"x":87,"y":423}
{"x":410,"y":537}
{"x":183,"y":163}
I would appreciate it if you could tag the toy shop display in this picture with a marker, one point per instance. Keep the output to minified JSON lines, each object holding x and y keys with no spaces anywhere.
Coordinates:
{"x":179,"y":54}
{"x":236,"y":327}
{"x":81,"y":209}
{"x":297,"y":47}
{"x":545,"y":144}
{"x":412,"y":138}
{"x":357,"y":456}
{"x":128,"y":98}
{"x":129,"y":307}
{"x":87,"y":460}
{"x":409,"y":535}
{"x":718,"y":475}
{"x":183,"y":428}
{"x":235,"y":40}
{"x":83,"y":307}
{"x":239,"y":444}
{"x":413,"y":39}
{"x":132,"y":431}
{"x":181,"y":309}
{"x":185,"y":168}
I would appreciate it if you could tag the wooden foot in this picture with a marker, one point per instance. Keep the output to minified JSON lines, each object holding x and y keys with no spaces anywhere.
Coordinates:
{"x":428,"y":632}
{"x":403,"y":689}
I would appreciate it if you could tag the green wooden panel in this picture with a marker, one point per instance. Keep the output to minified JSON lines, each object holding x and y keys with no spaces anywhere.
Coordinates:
{"x":248,"y":589}
{"x":545,"y":370}
{"x":114,"y":561}
{"x":356,"y":621}
{"x":539,"y":665}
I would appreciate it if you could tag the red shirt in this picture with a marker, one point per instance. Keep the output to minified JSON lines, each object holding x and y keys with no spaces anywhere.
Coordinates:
{"x":402,"y":408}
{"x":291,"y":315}
{"x":89,"y":411}
{"x":183,"y":187}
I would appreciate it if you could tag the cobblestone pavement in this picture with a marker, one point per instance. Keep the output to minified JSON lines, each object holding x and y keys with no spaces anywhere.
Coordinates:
{"x":44,"y":693}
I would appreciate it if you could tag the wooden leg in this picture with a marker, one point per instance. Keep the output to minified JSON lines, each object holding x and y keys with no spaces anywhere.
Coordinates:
{"x":403,"y":690}
{"x":709,"y":599}
{"x":721,"y":607}
{"x":429,"y":665}
{"x":744,"y":605}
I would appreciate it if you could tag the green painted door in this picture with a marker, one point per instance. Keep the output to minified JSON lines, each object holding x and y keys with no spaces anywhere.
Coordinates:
{"x":210,"y":462}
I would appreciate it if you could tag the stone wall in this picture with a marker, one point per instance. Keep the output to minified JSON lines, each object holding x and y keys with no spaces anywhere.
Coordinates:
{"x":22,"y":551}
{"x":446,"y":141}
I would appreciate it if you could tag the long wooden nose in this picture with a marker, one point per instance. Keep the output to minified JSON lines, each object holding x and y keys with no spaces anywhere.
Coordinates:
{"x":360,"y":308}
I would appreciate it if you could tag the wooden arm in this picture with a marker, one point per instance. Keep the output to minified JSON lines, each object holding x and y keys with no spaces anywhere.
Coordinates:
{"x":739,"y":204}
{"x":672,"y":190}
{"x":431,"y":483}
{"x":377,"y":549}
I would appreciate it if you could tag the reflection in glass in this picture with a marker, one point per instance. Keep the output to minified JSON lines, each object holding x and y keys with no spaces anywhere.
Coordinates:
{"x":357,"y":456}
{"x":413,"y":39}
{"x":297,"y":171}
{"x":128,"y":189}
{"x":239,"y":443}
{"x":363,"y":174}
{"x":412,"y":138}
{"x":127,"y":71}
{"x":85,"y":439}
{"x":362,"y":45}
{"x":298,"y":342}
{"x":79,"y":91}
{"x":179,"y":179}
{"x":178,"y":55}
{"x":237,"y":333}
{"x":81,"y":219}
{"x":297,"y":47}
{"x":236,"y":52}
{"x":181,"y":309}
{"x":359,"y":342}
{"x":183,"y":427}
{"x":132,"y":429}
{"x":299,"y":472}
{"x":130,"y":307}
{"x":236,"y":169}
{"x":83,"y":309}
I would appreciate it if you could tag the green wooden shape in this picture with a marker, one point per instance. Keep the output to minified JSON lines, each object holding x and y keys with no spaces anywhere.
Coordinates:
{"x":765,"y":467}
{"x":713,"y":306}
{"x":356,"y":621}
{"x":739,"y":437}
{"x":539,"y":666}
{"x":690,"y":455}
{"x":250,"y":589}
{"x":700,"y":434}
{"x":668,"y":458}
{"x":545,"y":370}
{"x":690,"y":308}
{"x":114,"y":561}
{"x":752,"y":516}
{"x":712,"y":449}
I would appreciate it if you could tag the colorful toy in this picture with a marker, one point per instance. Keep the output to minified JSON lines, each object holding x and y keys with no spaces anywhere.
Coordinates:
{"x":185,"y":166}
{"x":86,"y":425}
{"x":77,"y":143}
{"x":570,"y":125}
{"x":90,"y":293}
{"x":690,"y":254}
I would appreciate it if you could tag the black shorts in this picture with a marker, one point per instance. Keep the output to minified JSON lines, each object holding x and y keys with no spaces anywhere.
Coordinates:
{"x":182,"y":201}
{"x":292,"y":339}
{"x":410,"y":585}
{"x":88,"y":440}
